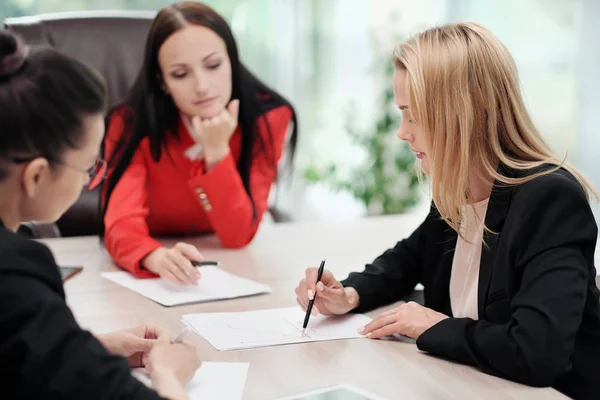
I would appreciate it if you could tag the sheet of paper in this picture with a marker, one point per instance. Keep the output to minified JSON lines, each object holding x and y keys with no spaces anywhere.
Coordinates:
{"x":242,"y":330}
{"x":335,"y":392}
{"x":215,"y":284}
{"x":213,"y":380}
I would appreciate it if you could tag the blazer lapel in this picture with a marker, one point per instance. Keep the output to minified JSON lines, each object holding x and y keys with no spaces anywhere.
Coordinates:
{"x":494,"y":220}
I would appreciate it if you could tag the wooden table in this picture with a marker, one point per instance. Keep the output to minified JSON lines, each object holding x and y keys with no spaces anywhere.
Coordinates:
{"x":278,"y":256}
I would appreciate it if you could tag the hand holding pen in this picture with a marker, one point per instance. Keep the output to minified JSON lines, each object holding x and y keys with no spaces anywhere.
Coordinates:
{"x":311,"y":302}
{"x":330,"y":297}
{"x":173,"y":357}
{"x":178,"y":338}
{"x":174,"y":263}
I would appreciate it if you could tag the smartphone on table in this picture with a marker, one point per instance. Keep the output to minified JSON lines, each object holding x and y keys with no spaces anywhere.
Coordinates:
{"x":67,"y":271}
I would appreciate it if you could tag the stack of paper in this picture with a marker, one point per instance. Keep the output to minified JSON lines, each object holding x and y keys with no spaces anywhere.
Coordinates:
{"x":241,"y":330}
{"x":215,"y":284}
{"x":214,"y":380}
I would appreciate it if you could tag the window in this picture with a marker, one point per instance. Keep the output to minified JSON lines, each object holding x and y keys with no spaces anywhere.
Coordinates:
{"x":321,"y":55}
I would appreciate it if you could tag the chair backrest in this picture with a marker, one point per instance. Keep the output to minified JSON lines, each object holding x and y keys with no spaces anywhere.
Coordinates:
{"x":110,"y":42}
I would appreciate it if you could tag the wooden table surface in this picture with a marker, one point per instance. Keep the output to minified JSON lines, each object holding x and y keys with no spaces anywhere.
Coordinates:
{"x":278,"y":256}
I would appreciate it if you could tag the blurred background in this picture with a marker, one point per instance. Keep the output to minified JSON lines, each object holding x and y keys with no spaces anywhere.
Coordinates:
{"x":331,"y":58}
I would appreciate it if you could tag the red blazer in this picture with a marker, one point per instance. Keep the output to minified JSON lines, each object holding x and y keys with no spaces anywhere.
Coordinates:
{"x":175,"y":196}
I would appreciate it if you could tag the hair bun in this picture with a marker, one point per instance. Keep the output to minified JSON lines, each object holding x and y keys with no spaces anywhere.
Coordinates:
{"x":12,"y":55}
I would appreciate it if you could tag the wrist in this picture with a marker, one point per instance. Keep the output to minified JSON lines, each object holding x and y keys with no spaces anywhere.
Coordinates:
{"x":160,"y":373}
{"x":101,"y":337}
{"x":148,"y":261}
{"x":165,"y":382}
{"x":352,"y":297}
{"x":105,"y":340}
{"x":213,"y":156}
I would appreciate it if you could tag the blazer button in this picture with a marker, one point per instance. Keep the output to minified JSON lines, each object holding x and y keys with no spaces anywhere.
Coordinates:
{"x":202,"y":196}
{"x":199,"y":191}
{"x":207,"y":207}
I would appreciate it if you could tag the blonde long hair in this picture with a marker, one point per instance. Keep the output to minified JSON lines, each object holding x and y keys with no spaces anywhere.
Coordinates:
{"x":463,"y":90}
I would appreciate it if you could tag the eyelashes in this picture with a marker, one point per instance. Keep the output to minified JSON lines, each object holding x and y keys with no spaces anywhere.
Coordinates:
{"x":181,"y":75}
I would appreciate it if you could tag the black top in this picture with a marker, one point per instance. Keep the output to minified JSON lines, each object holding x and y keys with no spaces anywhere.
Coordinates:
{"x":44,"y":354}
{"x":539,"y":312}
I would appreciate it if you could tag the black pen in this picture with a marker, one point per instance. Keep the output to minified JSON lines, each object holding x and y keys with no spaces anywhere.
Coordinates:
{"x":205,"y":263}
{"x":310,"y":303}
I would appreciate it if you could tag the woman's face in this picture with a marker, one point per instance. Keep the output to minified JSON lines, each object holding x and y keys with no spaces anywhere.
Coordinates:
{"x":51,"y":188}
{"x":409,"y":131}
{"x":196,"y":71}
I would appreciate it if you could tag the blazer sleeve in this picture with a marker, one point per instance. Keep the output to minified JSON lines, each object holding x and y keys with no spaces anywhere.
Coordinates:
{"x":221,"y":192}
{"x":534,"y":347}
{"x":392,"y":275}
{"x":43,"y":352}
{"x":126,"y":233}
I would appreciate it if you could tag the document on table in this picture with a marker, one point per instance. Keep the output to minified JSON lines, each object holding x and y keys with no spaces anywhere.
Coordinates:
{"x":242,"y":330}
{"x":213,"y":380}
{"x":343,"y":391}
{"x":215,"y":284}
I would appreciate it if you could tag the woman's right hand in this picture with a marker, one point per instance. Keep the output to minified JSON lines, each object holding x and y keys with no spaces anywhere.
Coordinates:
{"x":173,"y":359}
{"x":171,"y":366}
{"x":331,"y":297}
{"x":174,"y":264}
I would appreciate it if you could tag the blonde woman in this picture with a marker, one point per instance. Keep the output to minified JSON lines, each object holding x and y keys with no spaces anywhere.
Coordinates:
{"x":506,"y":254}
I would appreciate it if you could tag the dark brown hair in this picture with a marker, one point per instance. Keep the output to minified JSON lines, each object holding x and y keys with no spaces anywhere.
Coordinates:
{"x":44,"y":97}
{"x":154,"y":115}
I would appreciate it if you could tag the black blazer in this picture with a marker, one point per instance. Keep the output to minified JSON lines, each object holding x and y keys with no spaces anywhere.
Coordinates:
{"x":539,"y":312}
{"x":44,"y":354}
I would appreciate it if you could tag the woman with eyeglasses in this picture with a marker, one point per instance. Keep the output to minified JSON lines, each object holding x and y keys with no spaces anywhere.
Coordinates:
{"x":52,"y":126}
{"x":193,"y":149}
{"x":95,"y":173}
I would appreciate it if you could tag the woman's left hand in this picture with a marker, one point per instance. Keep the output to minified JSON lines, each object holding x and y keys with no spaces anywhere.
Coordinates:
{"x":214,"y":133}
{"x":133,"y":343}
{"x":409,"y":319}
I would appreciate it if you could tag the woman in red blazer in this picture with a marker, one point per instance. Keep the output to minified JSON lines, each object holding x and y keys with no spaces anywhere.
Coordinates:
{"x":194,"y":147}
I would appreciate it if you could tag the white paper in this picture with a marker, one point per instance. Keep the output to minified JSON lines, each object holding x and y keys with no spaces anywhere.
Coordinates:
{"x":242,"y":330}
{"x":215,"y":284}
{"x":213,"y":380}
{"x":340,"y":392}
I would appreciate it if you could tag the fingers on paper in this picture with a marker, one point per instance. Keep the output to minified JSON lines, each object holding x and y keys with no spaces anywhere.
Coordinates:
{"x":189,"y":252}
{"x":184,"y":270}
{"x":383,"y":325}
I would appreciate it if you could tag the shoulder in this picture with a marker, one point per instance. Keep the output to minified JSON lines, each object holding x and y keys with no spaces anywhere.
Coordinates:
{"x":282,"y":112}
{"x":20,"y":256}
{"x":553,"y":202}
{"x":278,"y":120}
{"x":550,"y":212}
{"x":556,"y":186}
{"x":14,"y":245}
{"x":117,"y":120}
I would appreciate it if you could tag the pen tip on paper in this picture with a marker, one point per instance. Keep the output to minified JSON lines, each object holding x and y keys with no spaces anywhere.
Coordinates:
{"x":303,"y":330}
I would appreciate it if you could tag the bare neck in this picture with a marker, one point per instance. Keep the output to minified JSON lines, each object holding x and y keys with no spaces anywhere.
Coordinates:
{"x":9,"y":208}
{"x":479,"y":188}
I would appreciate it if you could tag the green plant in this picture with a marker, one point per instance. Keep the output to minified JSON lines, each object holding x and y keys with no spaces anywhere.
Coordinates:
{"x":386,"y":182}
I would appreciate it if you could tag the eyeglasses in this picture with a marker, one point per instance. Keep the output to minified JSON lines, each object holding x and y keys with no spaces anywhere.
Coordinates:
{"x":96,"y":174}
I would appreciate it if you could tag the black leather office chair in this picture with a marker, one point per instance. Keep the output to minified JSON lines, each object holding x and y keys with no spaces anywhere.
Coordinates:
{"x":112,"y":43}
